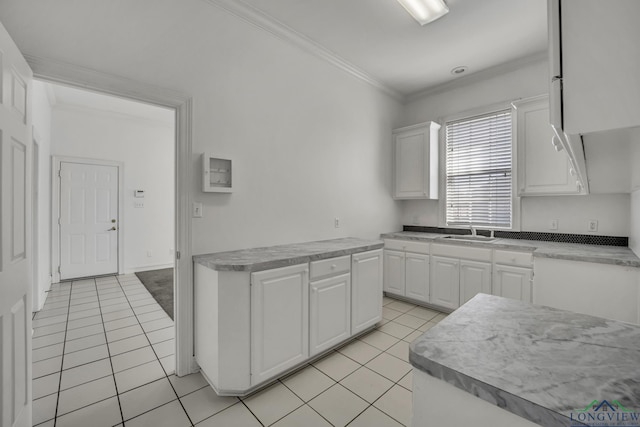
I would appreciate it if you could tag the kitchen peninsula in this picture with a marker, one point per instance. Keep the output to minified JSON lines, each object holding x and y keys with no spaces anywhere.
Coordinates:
{"x":262,"y":312}
{"x":501,"y":362}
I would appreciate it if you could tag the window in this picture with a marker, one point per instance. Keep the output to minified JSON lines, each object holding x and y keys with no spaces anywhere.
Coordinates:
{"x":479,"y":171}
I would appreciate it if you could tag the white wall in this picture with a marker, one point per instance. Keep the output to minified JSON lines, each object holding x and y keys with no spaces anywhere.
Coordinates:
{"x":309,"y":141}
{"x":634,"y":162}
{"x":41,"y":114}
{"x":146,"y":148}
{"x":609,"y":172}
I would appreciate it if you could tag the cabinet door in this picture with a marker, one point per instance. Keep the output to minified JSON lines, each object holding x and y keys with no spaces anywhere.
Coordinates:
{"x":416,"y":276}
{"x":512,"y":282}
{"x":541,"y":169}
{"x":600,"y":65}
{"x":475,"y":277}
{"x":445,"y":282}
{"x":329,"y":312}
{"x":279,"y":320}
{"x":416,"y":162}
{"x":394,"y":278}
{"x":366,"y":290}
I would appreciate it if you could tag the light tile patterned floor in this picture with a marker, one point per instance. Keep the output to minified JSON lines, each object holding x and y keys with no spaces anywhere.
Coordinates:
{"x":103,"y":355}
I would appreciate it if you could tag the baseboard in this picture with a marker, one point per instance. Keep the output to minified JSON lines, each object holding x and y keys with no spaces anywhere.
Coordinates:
{"x":41,"y":298}
{"x":147,"y":268}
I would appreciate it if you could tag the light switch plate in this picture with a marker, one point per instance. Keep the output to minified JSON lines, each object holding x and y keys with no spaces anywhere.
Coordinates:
{"x":593,"y":225}
{"x":197,"y":209}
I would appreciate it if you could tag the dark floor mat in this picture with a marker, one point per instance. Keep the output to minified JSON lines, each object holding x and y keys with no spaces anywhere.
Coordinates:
{"x":160,"y":284}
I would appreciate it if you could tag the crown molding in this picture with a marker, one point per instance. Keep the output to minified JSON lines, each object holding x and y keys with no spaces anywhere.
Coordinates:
{"x":269,"y":24}
{"x":485,"y":74}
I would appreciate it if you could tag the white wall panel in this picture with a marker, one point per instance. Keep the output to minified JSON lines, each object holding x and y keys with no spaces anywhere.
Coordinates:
{"x":146,"y":148}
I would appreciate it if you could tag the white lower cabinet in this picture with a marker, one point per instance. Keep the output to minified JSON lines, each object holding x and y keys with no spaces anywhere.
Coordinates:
{"x":406,"y":269}
{"x":445,"y":281}
{"x":366,"y":290}
{"x":251,"y":327}
{"x":458,"y":273}
{"x":475,"y":278}
{"x":394,"y":274}
{"x":455,"y":281}
{"x":329,"y":312}
{"x":279,"y":320}
{"x":513,"y":274}
{"x":416,"y":276}
{"x":513,"y":282}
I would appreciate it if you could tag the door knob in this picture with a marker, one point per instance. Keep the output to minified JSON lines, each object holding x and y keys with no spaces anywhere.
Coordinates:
{"x":113,"y":221}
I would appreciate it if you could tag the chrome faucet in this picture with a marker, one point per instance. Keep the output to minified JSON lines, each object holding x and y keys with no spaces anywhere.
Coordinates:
{"x":473,"y":230}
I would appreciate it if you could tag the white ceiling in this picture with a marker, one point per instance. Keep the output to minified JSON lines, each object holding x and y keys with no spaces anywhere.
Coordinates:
{"x":66,"y":96}
{"x":376,"y":40}
{"x":380,"y":38}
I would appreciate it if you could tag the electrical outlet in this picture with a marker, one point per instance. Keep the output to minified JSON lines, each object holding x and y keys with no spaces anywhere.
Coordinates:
{"x":138,"y":204}
{"x":593,"y":225}
{"x":149,"y":254}
{"x":197,"y":209}
{"x":553,"y":224}
{"x":336,"y":222}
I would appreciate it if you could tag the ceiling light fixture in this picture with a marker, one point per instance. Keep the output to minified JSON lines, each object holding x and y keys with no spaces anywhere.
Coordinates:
{"x":425,"y":11}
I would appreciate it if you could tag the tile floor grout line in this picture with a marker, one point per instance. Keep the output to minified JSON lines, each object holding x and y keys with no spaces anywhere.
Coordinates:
{"x":64,"y":343}
{"x":113,"y":374}
{"x":161,"y":366}
{"x":250,"y":411}
{"x":305,"y":403}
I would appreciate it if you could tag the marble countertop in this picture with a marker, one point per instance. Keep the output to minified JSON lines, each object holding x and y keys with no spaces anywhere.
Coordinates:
{"x":257,"y":259}
{"x":617,"y":255}
{"x":537,"y":362}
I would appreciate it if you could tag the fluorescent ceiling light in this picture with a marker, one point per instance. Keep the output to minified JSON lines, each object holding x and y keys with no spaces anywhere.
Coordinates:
{"x":425,"y":11}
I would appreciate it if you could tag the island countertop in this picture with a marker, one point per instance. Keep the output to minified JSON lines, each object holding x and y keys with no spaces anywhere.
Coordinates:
{"x":265,"y":258}
{"x":537,"y":362}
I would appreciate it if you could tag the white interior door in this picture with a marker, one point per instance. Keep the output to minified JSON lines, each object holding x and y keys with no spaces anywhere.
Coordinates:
{"x":88,"y":220}
{"x":15,"y":233}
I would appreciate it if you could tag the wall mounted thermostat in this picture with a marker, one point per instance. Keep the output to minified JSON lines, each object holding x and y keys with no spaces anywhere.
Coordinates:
{"x":138,"y":193}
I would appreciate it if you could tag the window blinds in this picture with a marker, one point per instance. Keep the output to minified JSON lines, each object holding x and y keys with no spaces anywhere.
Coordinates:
{"x":479,"y":153}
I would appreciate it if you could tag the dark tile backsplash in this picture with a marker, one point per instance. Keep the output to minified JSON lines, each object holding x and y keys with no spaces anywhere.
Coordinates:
{"x":584,"y":239}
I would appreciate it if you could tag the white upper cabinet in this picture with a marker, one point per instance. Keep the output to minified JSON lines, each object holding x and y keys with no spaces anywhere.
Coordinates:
{"x":596,"y":53}
{"x":542,"y":170}
{"x":416,"y":161}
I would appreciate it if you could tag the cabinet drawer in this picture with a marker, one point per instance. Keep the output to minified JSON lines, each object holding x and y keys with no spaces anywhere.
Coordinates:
{"x":407,"y":246}
{"x":522,"y":259}
{"x":464,"y":252}
{"x":330,"y":267}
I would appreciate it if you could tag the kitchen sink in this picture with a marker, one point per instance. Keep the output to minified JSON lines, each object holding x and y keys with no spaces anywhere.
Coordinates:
{"x":470,"y":238}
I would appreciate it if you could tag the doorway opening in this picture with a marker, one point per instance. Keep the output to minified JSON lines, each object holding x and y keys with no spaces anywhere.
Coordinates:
{"x":95,"y":130}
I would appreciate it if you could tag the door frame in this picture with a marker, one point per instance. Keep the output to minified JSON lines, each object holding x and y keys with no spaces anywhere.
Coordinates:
{"x":56,"y":163}
{"x":98,"y":81}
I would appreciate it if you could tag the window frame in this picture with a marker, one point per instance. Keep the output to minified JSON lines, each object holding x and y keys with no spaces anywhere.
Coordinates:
{"x":515,"y":199}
